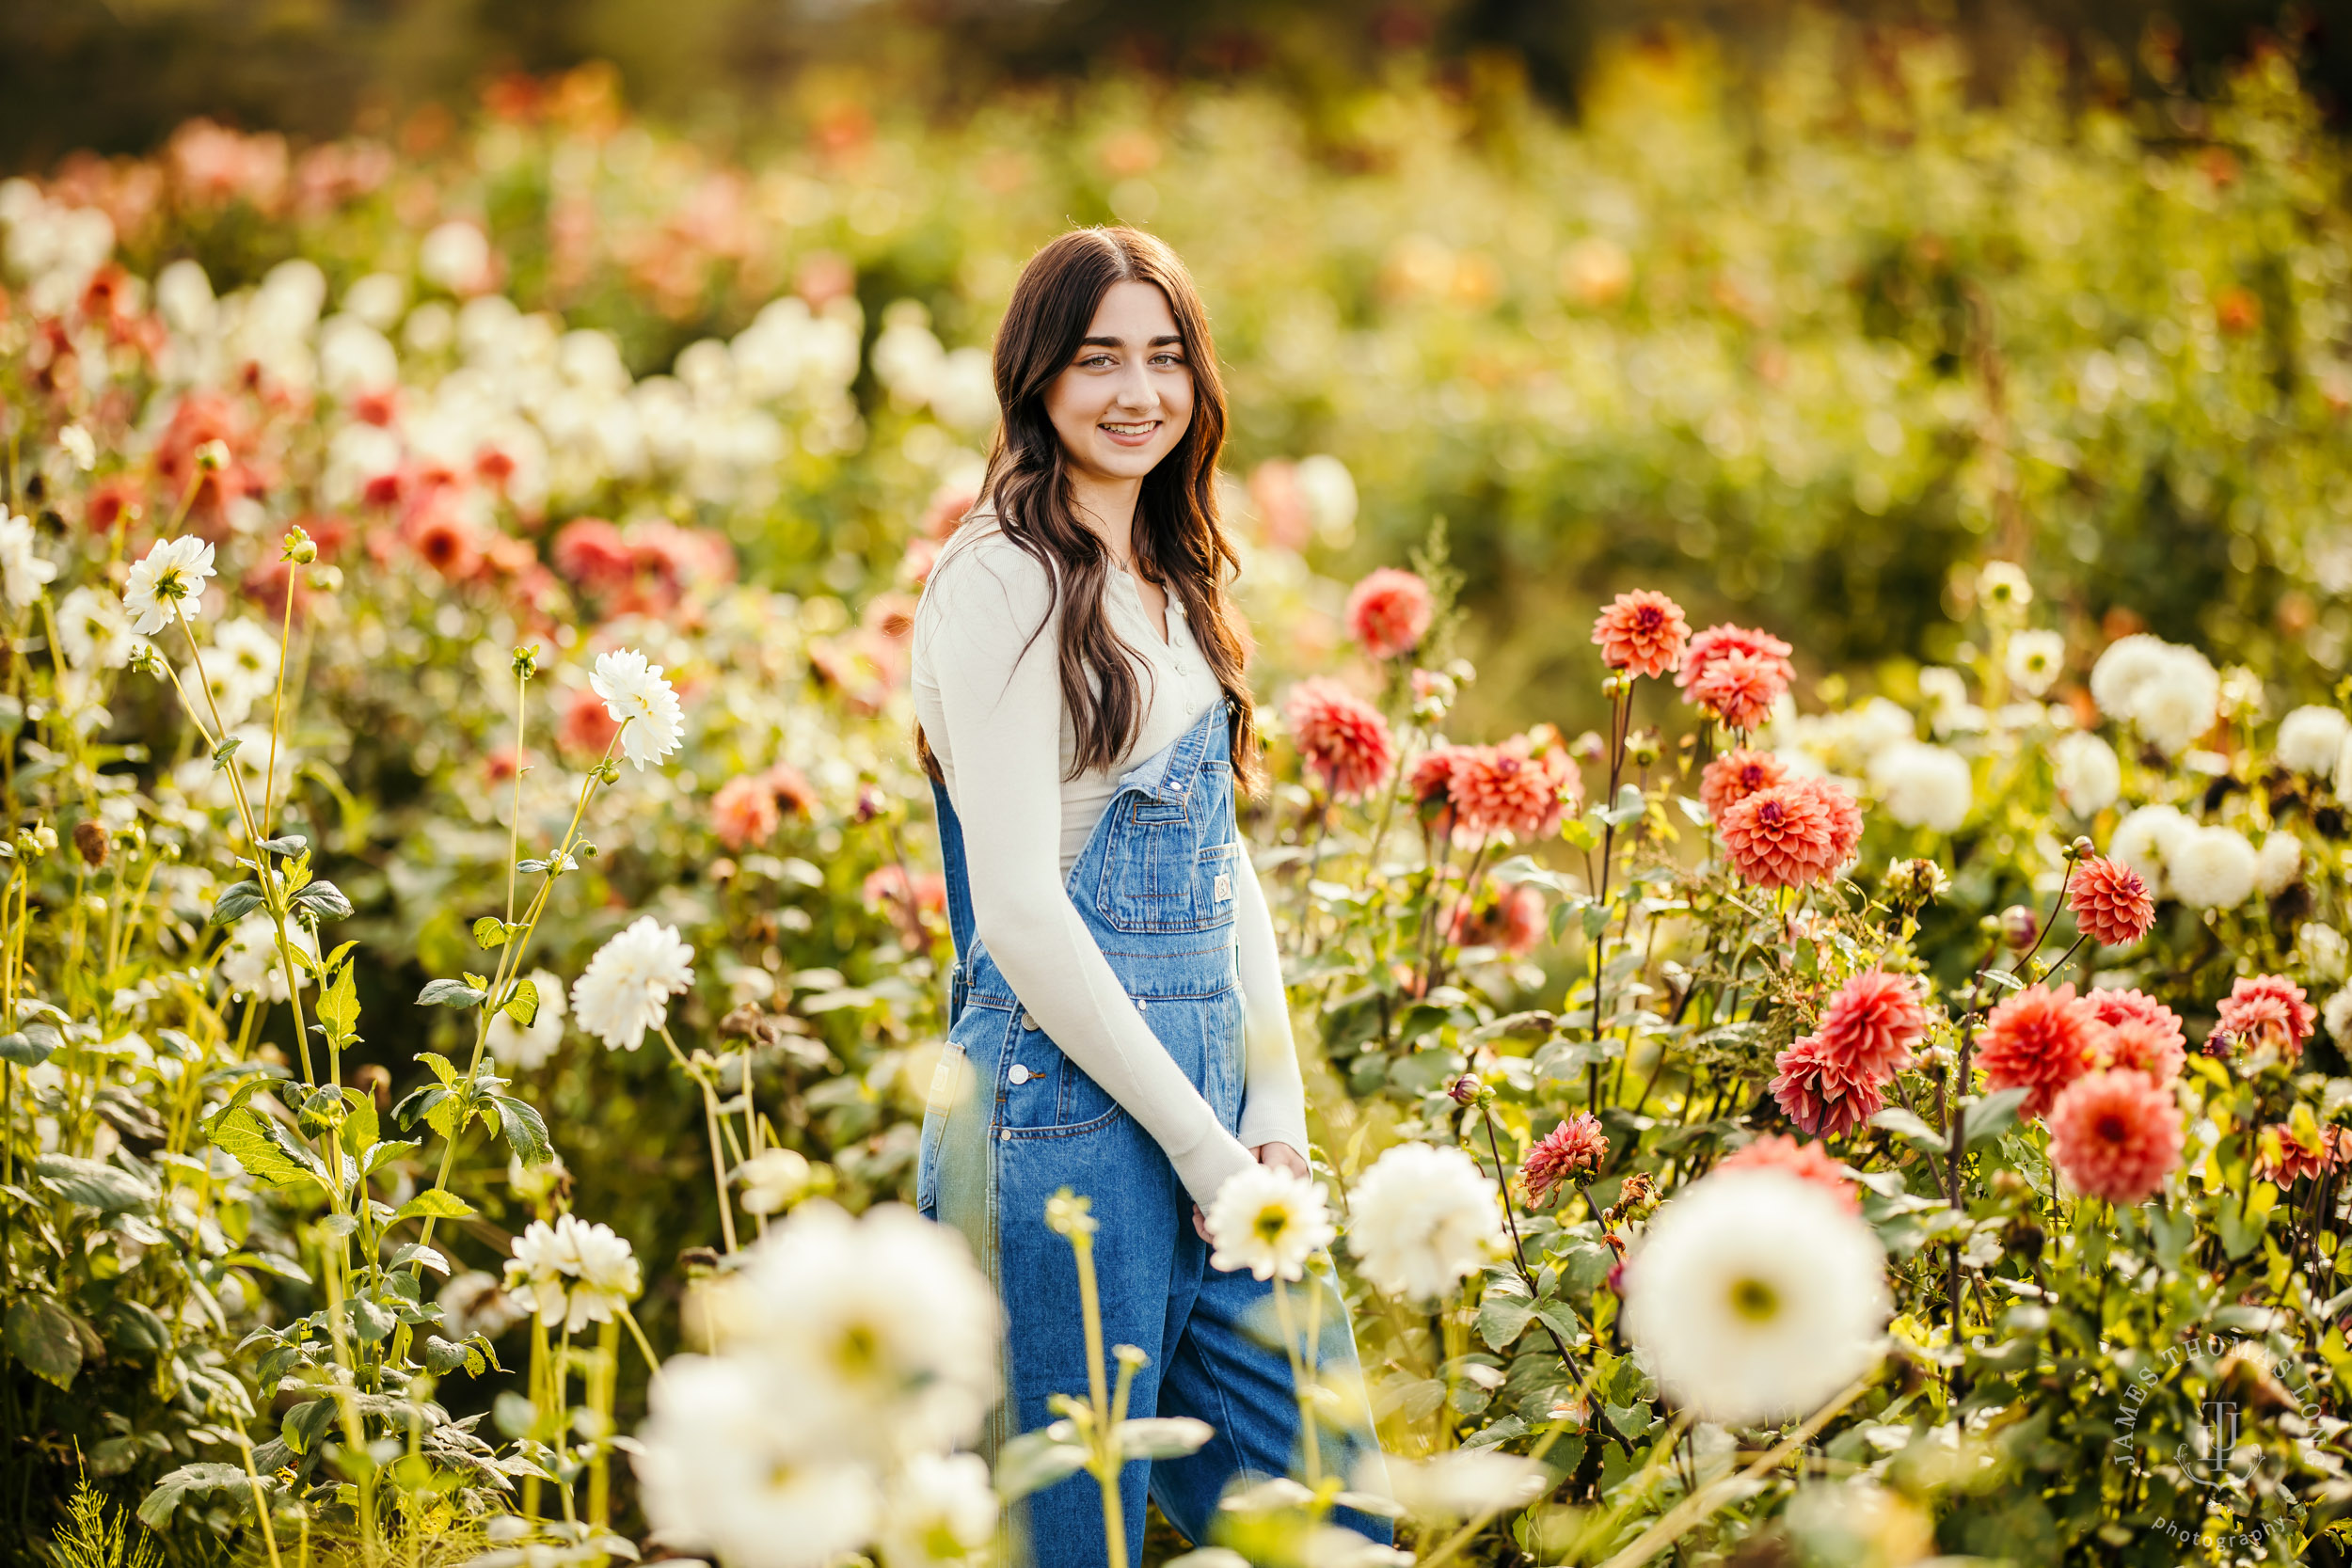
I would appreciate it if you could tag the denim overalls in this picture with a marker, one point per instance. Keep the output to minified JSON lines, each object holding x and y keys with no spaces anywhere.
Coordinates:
{"x":1011,"y":1120}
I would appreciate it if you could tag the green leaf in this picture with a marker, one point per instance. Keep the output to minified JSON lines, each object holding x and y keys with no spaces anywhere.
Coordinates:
{"x":1993,"y":1115}
{"x":525,"y":1130}
{"x":374,"y":1158}
{"x":372,"y":1320}
{"x":419,"y":1254}
{"x":449,"y":993}
{"x":324,"y":900}
{"x":438,"y":1203}
{"x":1904,"y":1125}
{"x":435,"y":1104}
{"x":187,"y":1481}
{"x":441,"y":1357}
{"x":18,"y":1046}
{"x":261,"y":1145}
{"x":41,"y":1335}
{"x":443,"y":1069}
{"x":1502,"y":1319}
{"x":490,"y":932}
{"x":1035,"y":1459}
{"x":93,"y":1183}
{"x":361,"y":1128}
{"x":222,"y":752}
{"x":1163,"y":1436}
{"x":339,"y":1007}
{"x":284,"y":844}
{"x":302,"y":1427}
{"x":524,"y":1004}
{"x":235,"y":902}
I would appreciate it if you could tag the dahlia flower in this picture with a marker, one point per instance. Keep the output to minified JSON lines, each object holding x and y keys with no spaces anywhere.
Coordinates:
{"x":2035,"y":658}
{"x":2111,"y":902}
{"x":1513,"y":921}
{"x":1871,"y":1025}
{"x":1421,"y":1219}
{"x":92,"y":630}
{"x":2115,"y":1134}
{"x":940,"y":1510}
{"x":23,"y":570}
{"x":1720,"y":642}
{"x":1268,"y":1221}
{"x":1753,"y":1295}
{"x":1389,"y":612}
{"x":2086,"y":771}
{"x":1739,"y":687}
{"x":1736,"y":775}
{"x":642,"y":702}
{"x":1457,"y":1483}
{"x":1643,"y":632}
{"x":2269,"y":1009}
{"x":1815,"y":1090}
{"x":2339,"y":1014}
{"x":1344,"y":739}
{"x":1806,"y":1161}
{"x":1922,"y":785}
{"x":2279,"y":864}
{"x":1792,"y":833}
{"x":2211,"y":868}
{"x":586,"y":726}
{"x":627,"y":987}
{"x":2144,"y":1048}
{"x":2285,"y":1156}
{"x":2310,"y":739}
{"x":1575,"y":1147}
{"x":743,"y":812}
{"x":167,"y":581}
{"x":773,"y":1179}
{"x":1511,"y":787}
{"x":2041,"y":1039}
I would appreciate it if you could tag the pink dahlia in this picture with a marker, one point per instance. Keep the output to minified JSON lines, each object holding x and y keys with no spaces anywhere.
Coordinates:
{"x":1739,"y":689}
{"x":590,"y":555}
{"x":588,"y":727}
{"x":1514,"y":922}
{"x":2041,"y":1041}
{"x":1785,"y":836}
{"x":1343,"y":738}
{"x":1806,"y":1161}
{"x":1736,"y":775}
{"x":1871,"y":1025}
{"x":1815,"y":1091}
{"x":2120,"y":1007}
{"x":2269,"y":1009}
{"x":1845,"y":817}
{"x":1575,"y":1147}
{"x":2143,"y":1047}
{"x":1719,"y":642}
{"x":2110,"y":902}
{"x":926,"y":891}
{"x":2115,"y":1136}
{"x":1513,"y":787}
{"x":791,"y":788}
{"x":743,"y":812}
{"x":2284,"y":1158}
{"x":1389,"y":612}
{"x":1643,"y":632}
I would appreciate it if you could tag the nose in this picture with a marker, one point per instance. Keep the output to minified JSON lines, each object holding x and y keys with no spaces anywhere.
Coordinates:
{"x":1135,"y":391}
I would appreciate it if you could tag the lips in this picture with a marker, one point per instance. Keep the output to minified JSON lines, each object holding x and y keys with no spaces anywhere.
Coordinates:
{"x":1131,"y":434}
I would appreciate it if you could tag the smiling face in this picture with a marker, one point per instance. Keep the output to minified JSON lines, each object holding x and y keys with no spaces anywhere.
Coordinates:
{"x":1124,"y":400}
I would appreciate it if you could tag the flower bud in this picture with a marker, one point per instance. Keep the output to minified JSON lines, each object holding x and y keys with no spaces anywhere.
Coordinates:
{"x":91,"y":844}
{"x":1464,"y":1090}
{"x":2082,"y":848}
{"x":1643,"y":749}
{"x":2020,"y":928}
{"x":1913,"y":882}
{"x":526,"y":662}
{"x":871,"y":802}
{"x":213,"y":455}
{"x":299,"y":546}
{"x":1588,"y":747}
{"x":325,"y":579}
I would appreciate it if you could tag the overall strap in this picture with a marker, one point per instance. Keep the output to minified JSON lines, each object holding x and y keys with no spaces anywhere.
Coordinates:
{"x":959,"y":925}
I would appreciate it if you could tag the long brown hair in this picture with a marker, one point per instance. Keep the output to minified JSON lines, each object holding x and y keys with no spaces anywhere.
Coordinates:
{"x":1180,"y":545}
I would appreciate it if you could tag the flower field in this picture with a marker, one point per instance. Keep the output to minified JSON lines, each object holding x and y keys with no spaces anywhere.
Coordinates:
{"x":1814,"y":898}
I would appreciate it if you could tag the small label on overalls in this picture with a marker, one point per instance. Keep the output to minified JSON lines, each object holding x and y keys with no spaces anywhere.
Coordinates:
{"x":1224,"y":886}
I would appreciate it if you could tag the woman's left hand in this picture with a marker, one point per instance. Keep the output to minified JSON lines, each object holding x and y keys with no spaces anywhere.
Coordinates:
{"x":1281,"y":1157}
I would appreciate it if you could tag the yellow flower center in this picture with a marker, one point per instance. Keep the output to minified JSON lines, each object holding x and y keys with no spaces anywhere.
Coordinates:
{"x":1754,"y":1299}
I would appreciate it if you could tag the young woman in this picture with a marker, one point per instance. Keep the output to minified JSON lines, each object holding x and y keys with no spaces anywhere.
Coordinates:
{"x":1119,"y":1026}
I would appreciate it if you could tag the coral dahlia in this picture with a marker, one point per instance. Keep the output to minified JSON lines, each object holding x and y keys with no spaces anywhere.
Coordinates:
{"x":2041,"y":1041}
{"x":1717,"y":641}
{"x":1736,"y":775}
{"x":1739,"y":689}
{"x":743,"y":812}
{"x":1511,"y":787}
{"x":1389,"y":612}
{"x":2115,"y":1136}
{"x":1643,"y":632}
{"x":1343,"y":738}
{"x":1787,"y":836}
{"x":1871,"y":1025}
{"x":1806,"y":1161}
{"x":2144,"y":1047}
{"x":2286,"y":1157}
{"x":2111,"y":902}
{"x":1815,"y":1091}
{"x":1575,"y":1147}
{"x":2270,"y":1009}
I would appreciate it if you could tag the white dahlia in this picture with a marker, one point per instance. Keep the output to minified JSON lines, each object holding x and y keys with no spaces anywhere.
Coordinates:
{"x":642,"y":702}
{"x":2278,"y":863}
{"x":2213,"y":868}
{"x":627,"y":987}
{"x":2089,"y":777}
{"x":1755,"y":1295}
{"x":2128,"y":663}
{"x":2180,"y":702}
{"x":1269,"y":1222}
{"x":23,"y":570}
{"x":2310,"y":739}
{"x":1922,"y":785}
{"x":2035,"y":658}
{"x":2145,"y":838}
{"x":1423,"y":1218}
{"x":93,"y":631}
{"x":167,"y":581}
{"x":940,"y":1510}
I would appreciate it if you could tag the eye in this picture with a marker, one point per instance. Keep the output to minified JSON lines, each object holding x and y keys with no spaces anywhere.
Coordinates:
{"x":1167,"y":357}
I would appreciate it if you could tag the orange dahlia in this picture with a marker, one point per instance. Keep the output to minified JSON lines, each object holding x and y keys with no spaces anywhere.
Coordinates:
{"x":1511,"y":787}
{"x":1344,"y":739}
{"x":2115,"y":1136}
{"x":1643,"y":632}
{"x":2111,"y":902}
{"x":1815,"y":1091}
{"x":2284,"y":1158}
{"x":2041,"y":1041}
{"x":1871,"y":1025}
{"x":1786,"y":836}
{"x":1739,"y":689}
{"x":1736,"y":775}
{"x":1718,"y":642}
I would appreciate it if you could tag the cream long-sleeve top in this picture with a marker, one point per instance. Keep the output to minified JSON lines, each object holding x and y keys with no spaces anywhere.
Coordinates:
{"x":993,"y":713}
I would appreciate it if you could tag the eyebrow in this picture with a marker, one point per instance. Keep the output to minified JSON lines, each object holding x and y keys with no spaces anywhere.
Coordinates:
{"x":1115,"y":343}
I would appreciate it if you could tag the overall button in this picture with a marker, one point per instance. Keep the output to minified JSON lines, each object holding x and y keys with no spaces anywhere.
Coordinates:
{"x":1020,"y":1074}
{"x":1028,"y":1019}
{"x":1141,"y":1004}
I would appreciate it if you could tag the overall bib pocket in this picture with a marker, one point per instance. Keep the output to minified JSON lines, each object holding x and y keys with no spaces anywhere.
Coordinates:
{"x":1042,"y":1093}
